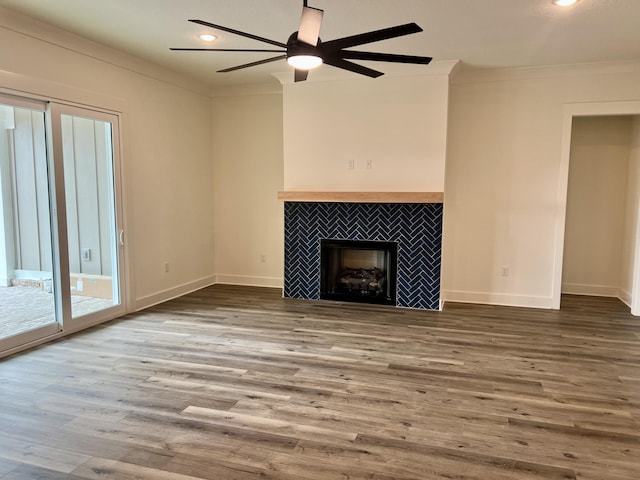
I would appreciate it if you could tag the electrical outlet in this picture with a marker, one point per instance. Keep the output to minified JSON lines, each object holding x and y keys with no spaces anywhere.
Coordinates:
{"x":505,"y":271}
{"x":166,"y":267}
{"x":369,"y":163}
{"x":263,"y":258}
{"x":85,"y":253}
{"x":351,"y":164}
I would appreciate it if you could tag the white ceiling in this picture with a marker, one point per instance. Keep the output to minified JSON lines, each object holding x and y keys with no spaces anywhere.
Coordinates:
{"x":480,"y":33}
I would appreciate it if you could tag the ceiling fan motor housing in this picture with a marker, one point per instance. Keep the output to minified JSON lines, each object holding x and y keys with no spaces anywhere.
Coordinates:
{"x":296,"y":47}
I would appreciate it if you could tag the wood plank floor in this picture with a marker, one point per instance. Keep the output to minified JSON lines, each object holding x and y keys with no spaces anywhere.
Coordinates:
{"x":236,"y":383}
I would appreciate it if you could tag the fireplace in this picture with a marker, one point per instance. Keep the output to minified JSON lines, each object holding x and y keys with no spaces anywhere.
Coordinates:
{"x":358,"y":271}
{"x":415,"y":229}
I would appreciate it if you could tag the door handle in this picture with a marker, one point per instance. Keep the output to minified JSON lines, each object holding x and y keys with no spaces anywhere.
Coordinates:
{"x":121,"y":238}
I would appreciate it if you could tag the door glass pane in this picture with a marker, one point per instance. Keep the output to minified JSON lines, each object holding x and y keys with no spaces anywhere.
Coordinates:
{"x":90,"y":207}
{"x":27,"y":300}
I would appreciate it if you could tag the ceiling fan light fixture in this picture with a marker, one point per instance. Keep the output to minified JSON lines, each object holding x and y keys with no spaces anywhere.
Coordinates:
{"x":308,"y":51}
{"x":207,"y":37}
{"x":564,"y":3}
{"x":304,"y":62}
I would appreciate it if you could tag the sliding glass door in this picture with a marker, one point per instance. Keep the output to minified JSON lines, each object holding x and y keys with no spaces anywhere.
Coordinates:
{"x":84,"y":140}
{"x":61,"y":259}
{"x":28,"y":297}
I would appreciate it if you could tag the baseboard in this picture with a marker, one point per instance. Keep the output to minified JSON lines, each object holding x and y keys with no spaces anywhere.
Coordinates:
{"x":625,"y":297}
{"x":250,"y":281}
{"x":175,"y":292}
{"x":598,"y":291}
{"x":497,"y":299}
{"x":591,"y":290}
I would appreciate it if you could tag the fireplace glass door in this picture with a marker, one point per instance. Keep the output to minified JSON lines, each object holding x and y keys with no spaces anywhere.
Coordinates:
{"x":358,"y":271}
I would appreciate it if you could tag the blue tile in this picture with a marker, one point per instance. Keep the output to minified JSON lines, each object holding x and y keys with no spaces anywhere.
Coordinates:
{"x":416,"y":227}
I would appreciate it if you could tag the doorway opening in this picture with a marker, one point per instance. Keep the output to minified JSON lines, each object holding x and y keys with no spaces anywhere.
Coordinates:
{"x":599,"y":228}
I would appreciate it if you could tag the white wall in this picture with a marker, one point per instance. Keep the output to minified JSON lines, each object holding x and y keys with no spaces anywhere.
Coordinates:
{"x":502,"y":173}
{"x":397,"y":123}
{"x":503,"y":176}
{"x":629,"y":263}
{"x":248,"y":171}
{"x":596,"y":205}
{"x":168,"y":173}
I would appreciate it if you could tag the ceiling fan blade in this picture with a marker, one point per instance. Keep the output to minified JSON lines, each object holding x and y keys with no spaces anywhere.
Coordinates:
{"x":369,"y":37}
{"x":224,"y":50}
{"x":352,"y":67}
{"x":384,"y":57}
{"x":253,"y":64}
{"x":310,"y":23}
{"x":238,"y":32}
{"x":301,"y":75}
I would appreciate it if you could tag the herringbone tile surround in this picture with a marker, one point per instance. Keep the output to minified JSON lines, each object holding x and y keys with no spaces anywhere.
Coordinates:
{"x":417,"y":228}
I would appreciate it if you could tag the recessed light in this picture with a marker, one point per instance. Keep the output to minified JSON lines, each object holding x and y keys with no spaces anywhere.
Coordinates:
{"x":207,"y":37}
{"x":564,"y":3}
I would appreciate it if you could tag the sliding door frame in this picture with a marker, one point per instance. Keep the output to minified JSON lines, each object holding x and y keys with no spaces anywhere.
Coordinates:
{"x":55,"y":327}
{"x":55,"y":111}
{"x":54,"y":108}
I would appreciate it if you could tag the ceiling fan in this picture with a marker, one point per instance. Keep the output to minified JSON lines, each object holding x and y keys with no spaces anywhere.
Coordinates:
{"x":304,"y":49}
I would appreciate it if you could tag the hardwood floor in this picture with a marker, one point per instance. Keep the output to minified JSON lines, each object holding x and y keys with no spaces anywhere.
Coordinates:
{"x":235,"y":383}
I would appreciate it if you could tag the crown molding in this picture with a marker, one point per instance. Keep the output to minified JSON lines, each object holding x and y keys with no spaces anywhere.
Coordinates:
{"x":44,"y":32}
{"x":330,"y":74}
{"x":272,"y":88}
{"x":469,"y":74}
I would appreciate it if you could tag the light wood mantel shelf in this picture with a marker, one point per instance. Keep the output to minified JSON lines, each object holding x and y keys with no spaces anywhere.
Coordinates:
{"x":363,"y":197}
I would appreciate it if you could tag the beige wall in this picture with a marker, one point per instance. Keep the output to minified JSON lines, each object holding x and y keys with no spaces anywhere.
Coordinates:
{"x":249,"y":219}
{"x":596,"y":205}
{"x":503,"y":172}
{"x":393,"y":129}
{"x":167,"y":167}
{"x":629,"y":263}
{"x":504,"y":176}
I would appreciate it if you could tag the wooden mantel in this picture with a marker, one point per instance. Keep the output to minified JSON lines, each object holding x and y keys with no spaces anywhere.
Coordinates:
{"x":363,"y":197}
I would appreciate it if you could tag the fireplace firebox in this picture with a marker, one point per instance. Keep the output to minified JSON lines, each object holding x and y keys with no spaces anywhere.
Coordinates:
{"x":358,"y":271}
